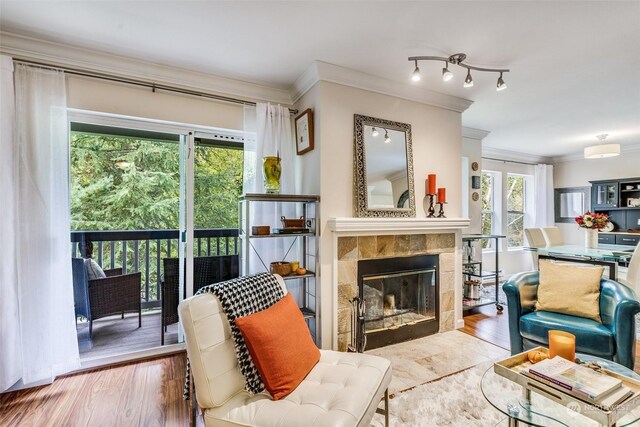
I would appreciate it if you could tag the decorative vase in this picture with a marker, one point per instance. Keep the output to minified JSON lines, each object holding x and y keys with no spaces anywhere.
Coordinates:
{"x":591,"y":238}
{"x":272,"y":169}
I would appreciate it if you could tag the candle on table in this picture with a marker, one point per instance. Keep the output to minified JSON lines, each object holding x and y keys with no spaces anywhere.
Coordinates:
{"x":432,"y":183}
{"x":442,"y":195}
{"x":562,"y":344}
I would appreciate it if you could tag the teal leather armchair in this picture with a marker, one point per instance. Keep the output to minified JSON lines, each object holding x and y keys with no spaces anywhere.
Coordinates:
{"x":613,"y":339}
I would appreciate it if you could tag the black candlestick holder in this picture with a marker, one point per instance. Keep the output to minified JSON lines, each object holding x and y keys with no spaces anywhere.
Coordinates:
{"x":441,"y":212}
{"x":431,"y":211}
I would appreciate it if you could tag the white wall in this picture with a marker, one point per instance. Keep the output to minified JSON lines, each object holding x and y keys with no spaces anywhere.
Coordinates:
{"x":578,"y":173}
{"x":436,"y":149}
{"x":472,"y":150}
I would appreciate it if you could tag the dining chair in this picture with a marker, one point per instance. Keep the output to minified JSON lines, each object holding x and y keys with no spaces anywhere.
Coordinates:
{"x":535,"y":239}
{"x":631,"y":276}
{"x":553,"y":236}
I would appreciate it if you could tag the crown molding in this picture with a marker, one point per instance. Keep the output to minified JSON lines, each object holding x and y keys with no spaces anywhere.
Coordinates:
{"x":323,"y":71}
{"x":38,"y":50}
{"x":624,"y":149}
{"x":491,"y":153}
{"x":472,"y":133}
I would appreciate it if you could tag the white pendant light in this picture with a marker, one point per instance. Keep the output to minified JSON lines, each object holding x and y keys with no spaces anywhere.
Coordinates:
{"x":602,"y":150}
{"x":387,"y":139}
{"x":446,"y":74}
{"x":374,"y":132}
{"x":468,"y":82}
{"x":416,"y":74}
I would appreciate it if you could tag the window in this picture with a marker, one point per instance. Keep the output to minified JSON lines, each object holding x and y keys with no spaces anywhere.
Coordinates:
{"x":516,"y":203}
{"x":488,"y":205}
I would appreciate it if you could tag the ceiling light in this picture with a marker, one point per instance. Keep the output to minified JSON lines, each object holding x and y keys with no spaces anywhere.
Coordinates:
{"x":457,"y":59}
{"x":501,"y":84}
{"x":601,"y":150}
{"x":387,"y":139}
{"x":446,"y":74}
{"x":416,"y":74}
{"x":374,"y":132}
{"x":468,"y":82}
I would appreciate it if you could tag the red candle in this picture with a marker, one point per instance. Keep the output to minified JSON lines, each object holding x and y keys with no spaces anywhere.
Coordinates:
{"x":442,"y":195}
{"x":432,"y":183}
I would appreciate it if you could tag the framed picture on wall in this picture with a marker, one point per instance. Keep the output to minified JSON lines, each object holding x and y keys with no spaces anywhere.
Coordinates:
{"x":304,"y":131}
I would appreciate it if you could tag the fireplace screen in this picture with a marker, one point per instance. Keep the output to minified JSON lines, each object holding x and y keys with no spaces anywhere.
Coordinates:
{"x":398,"y":299}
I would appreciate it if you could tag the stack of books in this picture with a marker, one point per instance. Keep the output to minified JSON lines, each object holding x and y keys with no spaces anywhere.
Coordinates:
{"x":579,"y":381}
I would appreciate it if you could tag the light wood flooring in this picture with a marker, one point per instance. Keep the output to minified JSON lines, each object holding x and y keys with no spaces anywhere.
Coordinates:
{"x":149,"y":393}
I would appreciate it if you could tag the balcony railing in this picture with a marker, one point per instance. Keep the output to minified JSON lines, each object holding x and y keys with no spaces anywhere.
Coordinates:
{"x":143,"y":251}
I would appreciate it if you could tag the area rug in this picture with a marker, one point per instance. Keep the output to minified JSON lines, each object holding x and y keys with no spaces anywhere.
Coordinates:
{"x":454,"y":401}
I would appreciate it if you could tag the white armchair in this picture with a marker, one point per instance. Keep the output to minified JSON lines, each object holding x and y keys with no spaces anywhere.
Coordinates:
{"x":343,"y":389}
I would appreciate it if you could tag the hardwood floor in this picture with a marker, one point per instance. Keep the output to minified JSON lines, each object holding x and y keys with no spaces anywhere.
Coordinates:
{"x":149,"y":393}
{"x":139,"y":394}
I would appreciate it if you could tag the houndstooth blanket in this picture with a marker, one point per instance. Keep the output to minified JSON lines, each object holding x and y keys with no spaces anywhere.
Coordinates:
{"x":241,"y":297}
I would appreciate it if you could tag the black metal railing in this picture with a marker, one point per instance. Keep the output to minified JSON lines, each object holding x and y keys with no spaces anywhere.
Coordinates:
{"x":143,"y":251}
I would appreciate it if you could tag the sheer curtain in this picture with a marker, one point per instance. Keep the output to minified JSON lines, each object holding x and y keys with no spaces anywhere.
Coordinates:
{"x":543,"y":177}
{"x":43,"y":267}
{"x":11,"y":357}
{"x":267,"y":132}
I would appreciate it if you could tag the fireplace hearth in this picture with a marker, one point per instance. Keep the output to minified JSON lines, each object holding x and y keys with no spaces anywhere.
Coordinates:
{"x":400,"y":300}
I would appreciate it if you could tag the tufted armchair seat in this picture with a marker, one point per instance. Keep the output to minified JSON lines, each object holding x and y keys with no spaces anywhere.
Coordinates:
{"x":343,"y":389}
{"x":613,"y":339}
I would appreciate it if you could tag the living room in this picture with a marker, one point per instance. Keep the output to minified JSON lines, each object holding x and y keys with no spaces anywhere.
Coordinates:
{"x":158,"y":156}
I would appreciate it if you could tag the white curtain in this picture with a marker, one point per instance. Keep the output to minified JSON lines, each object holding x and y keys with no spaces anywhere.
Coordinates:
{"x":10,"y":354}
{"x":45,"y":291}
{"x":267,"y":132}
{"x":543,"y":177}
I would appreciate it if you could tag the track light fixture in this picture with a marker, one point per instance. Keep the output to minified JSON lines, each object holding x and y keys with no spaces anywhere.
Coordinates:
{"x":446,"y":74}
{"x":387,"y":139}
{"x":416,"y":73}
{"x":501,"y":84}
{"x":457,"y":59}
{"x":374,"y":132}
{"x":468,"y":82}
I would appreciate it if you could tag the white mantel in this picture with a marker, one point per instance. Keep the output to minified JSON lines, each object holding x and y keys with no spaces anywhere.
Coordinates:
{"x":350,"y":225}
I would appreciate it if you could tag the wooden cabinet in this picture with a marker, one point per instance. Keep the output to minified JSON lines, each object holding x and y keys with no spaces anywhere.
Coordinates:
{"x":608,"y":239}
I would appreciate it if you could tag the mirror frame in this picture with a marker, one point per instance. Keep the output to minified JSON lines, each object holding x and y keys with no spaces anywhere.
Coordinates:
{"x":557,"y":192}
{"x":361,"y":202}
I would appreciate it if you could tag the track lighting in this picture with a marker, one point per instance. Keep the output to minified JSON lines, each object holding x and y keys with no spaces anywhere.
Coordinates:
{"x":457,"y":59}
{"x":374,"y":132}
{"x":387,"y":139}
{"x":446,"y":74}
{"x":468,"y":82}
{"x":501,"y":84}
{"x":416,"y":73}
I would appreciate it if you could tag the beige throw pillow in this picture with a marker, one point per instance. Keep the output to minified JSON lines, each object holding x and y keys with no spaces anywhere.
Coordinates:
{"x":569,"y":289}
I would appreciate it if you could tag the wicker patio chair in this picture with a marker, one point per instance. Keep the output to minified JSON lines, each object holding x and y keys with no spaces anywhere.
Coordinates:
{"x":206,"y":270}
{"x":116,"y":294}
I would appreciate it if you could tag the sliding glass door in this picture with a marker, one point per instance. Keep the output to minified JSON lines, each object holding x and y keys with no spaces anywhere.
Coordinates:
{"x":129,"y":213}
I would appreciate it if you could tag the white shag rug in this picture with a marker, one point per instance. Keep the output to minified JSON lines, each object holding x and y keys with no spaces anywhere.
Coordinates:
{"x":454,"y":401}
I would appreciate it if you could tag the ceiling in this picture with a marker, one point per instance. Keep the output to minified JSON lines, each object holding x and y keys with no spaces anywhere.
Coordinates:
{"x":575,"y":65}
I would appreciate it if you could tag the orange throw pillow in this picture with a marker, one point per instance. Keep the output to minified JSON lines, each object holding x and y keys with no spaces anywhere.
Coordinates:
{"x":280,"y":345}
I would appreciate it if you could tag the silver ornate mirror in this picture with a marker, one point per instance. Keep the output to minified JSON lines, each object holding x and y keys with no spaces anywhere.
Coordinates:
{"x":383,"y":168}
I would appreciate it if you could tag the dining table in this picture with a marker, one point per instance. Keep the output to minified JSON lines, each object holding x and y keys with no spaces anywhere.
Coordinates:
{"x":606,"y":255}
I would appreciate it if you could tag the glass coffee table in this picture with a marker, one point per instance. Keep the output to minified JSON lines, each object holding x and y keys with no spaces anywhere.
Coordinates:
{"x":525,"y":408}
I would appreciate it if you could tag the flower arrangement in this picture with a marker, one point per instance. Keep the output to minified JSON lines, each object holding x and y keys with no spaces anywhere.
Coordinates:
{"x":592,"y":220}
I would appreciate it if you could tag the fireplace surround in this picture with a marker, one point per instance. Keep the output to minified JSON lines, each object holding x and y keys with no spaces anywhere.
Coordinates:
{"x":356,"y":239}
